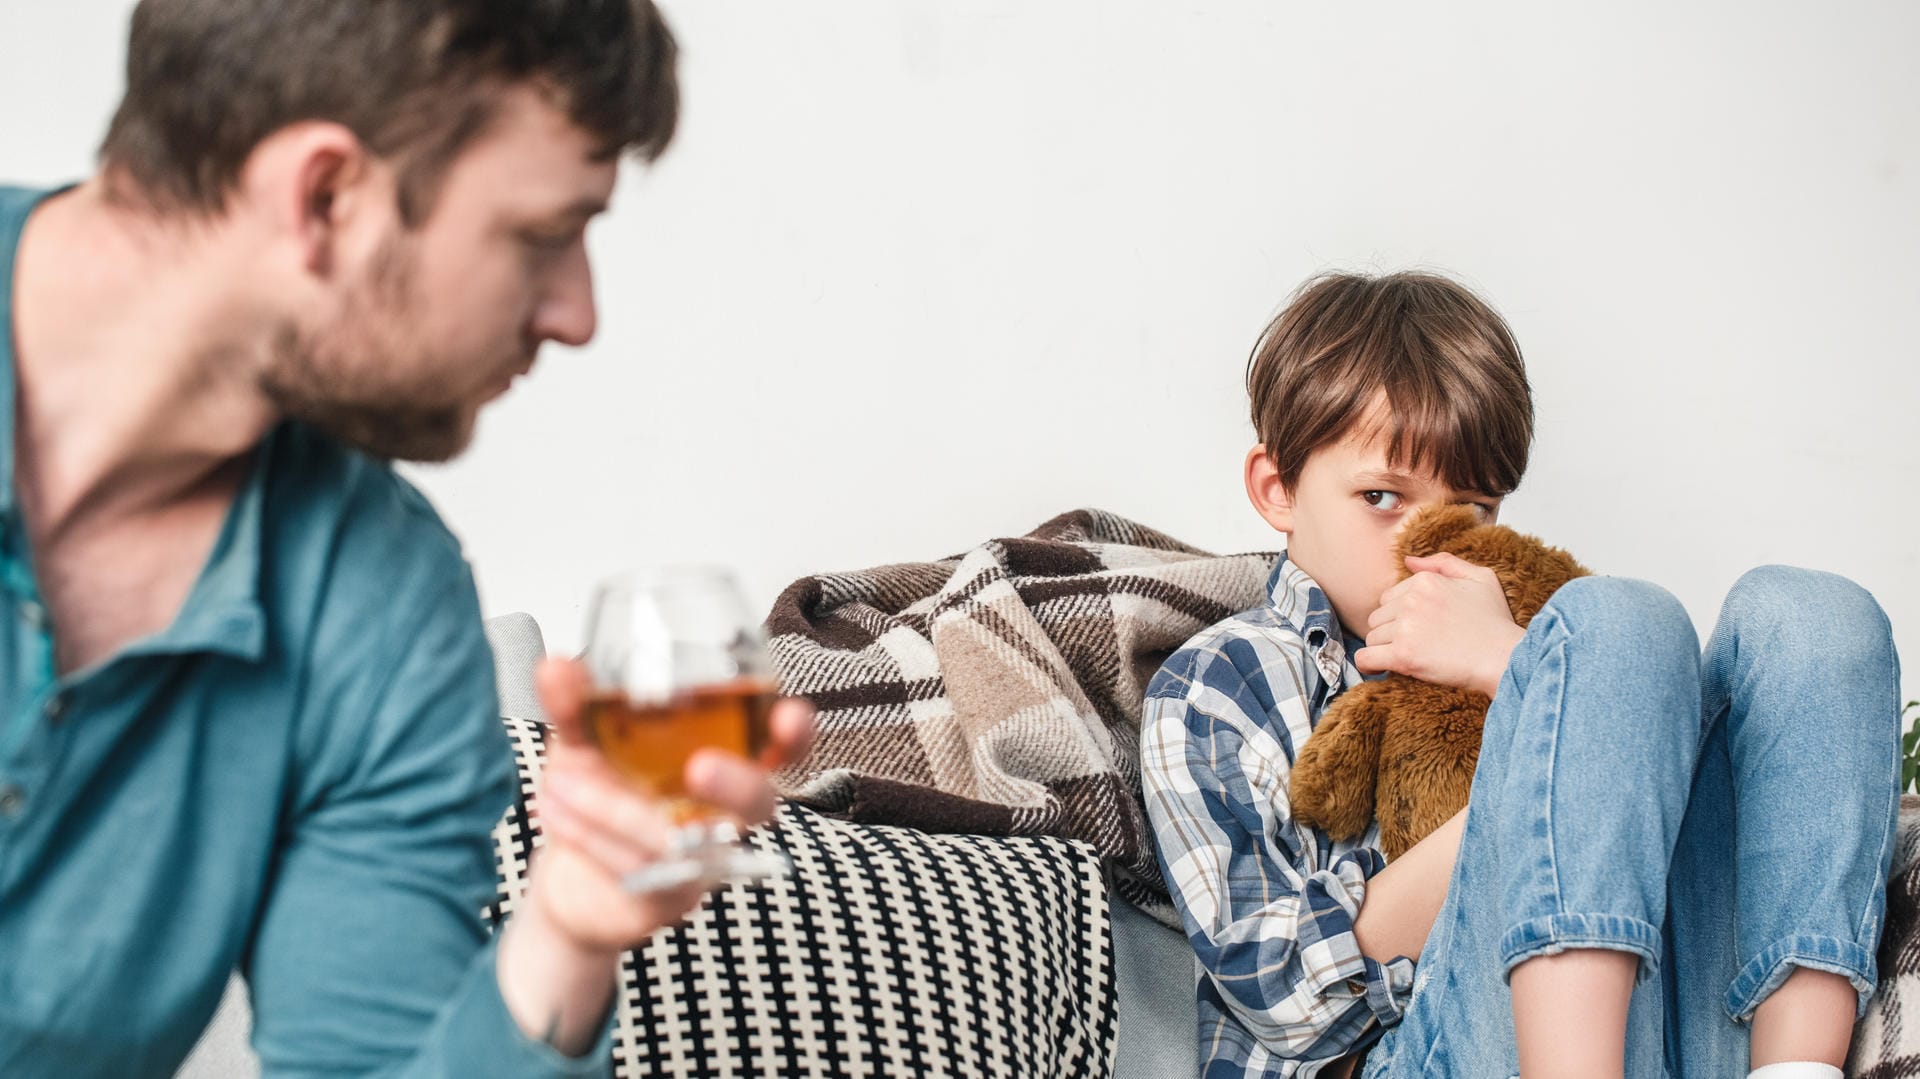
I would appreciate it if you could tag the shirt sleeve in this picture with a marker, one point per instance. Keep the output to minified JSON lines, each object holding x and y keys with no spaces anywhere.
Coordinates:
{"x":1267,"y":904}
{"x":370,"y":957}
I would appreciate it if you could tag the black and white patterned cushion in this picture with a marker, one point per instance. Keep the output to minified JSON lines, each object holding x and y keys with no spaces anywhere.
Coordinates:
{"x":887,"y":952}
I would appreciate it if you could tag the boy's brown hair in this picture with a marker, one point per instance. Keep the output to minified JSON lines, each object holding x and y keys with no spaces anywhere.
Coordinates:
{"x":1457,"y":397}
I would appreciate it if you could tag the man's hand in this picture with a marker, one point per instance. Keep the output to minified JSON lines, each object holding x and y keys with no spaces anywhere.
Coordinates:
{"x":558,"y":956}
{"x":1448,"y":623}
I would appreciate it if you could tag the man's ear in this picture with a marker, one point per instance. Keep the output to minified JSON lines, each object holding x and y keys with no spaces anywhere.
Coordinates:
{"x":1269,"y":496}
{"x":310,"y":180}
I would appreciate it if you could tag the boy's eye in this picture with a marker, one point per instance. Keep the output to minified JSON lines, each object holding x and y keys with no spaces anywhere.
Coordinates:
{"x":1381,"y":500}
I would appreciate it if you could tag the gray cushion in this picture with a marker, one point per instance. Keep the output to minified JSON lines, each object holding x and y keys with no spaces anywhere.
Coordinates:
{"x":223,"y":1052}
{"x":1154,"y":975}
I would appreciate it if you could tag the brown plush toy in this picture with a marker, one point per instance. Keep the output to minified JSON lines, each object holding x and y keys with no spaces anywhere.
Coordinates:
{"x":1402,"y":749}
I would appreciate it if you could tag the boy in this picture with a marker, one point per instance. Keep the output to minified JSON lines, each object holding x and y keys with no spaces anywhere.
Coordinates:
{"x":1376,"y":397}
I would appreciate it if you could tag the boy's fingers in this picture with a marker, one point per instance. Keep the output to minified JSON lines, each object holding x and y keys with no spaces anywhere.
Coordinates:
{"x":1446,"y":565}
{"x":562,"y":684}
{"x":1391,"y":594}
{"x":1374,"y":659}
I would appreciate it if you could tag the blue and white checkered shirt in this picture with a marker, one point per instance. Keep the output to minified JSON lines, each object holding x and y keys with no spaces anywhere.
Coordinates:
{"x":1267,"y":903}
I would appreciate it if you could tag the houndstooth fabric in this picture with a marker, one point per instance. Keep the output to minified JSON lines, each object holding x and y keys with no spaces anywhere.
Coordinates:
{"x":997,"y":692}
{"x":887,"y":952}
{"x":1886,"y":1043}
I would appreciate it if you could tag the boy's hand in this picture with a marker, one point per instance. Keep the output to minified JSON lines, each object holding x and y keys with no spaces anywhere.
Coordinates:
{"x":1448,"y":623}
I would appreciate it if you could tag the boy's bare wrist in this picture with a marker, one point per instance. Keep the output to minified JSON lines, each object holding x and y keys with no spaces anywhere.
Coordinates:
{"x":1497,"y":667}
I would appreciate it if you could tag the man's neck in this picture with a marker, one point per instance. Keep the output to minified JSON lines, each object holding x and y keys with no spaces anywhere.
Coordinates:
{"x":135,"y":352}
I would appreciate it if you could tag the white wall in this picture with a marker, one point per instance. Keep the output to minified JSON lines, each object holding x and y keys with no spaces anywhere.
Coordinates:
{"x":920,"y":272}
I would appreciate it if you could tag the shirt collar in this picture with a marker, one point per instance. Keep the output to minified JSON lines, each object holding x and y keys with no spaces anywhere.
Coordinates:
{"x":1301,"y":603}
{"x":223,"y":612}
{"x":1303,"y":606}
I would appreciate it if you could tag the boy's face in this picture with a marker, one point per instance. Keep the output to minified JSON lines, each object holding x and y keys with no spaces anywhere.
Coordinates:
{"x":1344,"y":515}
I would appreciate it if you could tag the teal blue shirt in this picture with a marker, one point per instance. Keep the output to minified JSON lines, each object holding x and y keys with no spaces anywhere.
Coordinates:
{"x":295,"y":779}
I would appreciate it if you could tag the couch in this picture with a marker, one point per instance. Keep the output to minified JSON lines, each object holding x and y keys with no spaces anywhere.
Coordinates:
{"x":1152,"y":969}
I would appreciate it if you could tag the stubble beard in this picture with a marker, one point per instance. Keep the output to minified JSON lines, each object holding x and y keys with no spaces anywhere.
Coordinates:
{"x":361,"y":381}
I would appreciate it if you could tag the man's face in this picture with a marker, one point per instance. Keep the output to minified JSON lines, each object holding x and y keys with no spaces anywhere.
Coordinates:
{"x":438,"y":320}
{"x":1347,"y":511}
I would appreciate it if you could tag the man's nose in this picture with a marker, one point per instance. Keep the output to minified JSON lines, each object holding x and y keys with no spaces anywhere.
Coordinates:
{"x":567,"y":313}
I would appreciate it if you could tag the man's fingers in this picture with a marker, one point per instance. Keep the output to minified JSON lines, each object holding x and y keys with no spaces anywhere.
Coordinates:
{"x":614,"y":852}
{"x":607,"y":806}
{"x":563,"y":685}
{"x":792,"y":726}
{"x":731,"y":785}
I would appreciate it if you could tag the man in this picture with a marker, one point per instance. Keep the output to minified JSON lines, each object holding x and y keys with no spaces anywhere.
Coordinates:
{"x":249,"y":715}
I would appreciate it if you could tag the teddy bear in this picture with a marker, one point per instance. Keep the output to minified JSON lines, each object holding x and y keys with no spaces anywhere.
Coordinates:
{"x":1404,"y":750}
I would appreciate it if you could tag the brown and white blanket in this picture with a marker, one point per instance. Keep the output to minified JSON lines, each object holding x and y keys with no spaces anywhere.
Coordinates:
{"x":1886,"y":1043}
{"x":997,"y":692}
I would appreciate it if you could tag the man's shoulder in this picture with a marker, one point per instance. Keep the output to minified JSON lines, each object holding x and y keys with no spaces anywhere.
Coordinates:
{"x":362,"y":568}
{"x":13,"y":199}
{"x":1234,"y":652}
{"x":376,"y":603}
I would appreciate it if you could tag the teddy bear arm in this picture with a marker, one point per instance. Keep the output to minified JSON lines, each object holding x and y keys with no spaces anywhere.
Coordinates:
{"x":1333,"y":781}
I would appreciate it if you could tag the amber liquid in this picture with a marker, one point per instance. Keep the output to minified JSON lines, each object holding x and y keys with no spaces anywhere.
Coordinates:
{"x":650,"y":744}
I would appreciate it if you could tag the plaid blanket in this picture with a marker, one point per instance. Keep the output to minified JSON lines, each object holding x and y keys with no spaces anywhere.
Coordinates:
{"x":997,"y":692}
{"x":1886,"y":1042}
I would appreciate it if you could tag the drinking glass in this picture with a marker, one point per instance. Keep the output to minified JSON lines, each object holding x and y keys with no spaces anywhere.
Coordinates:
{"x":678,"y":664}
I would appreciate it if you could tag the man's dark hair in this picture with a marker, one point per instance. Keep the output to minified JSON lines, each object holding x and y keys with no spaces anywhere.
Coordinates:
{"x":415,"y":80}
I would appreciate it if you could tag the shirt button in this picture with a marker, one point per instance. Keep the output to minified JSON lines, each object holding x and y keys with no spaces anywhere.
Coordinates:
{"x":12,"y":800}
{"x":55,"y":707}
{"x":34,"y":614}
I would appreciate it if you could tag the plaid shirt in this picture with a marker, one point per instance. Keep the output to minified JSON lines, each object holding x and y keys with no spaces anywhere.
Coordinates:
{"x":1268,"y":904}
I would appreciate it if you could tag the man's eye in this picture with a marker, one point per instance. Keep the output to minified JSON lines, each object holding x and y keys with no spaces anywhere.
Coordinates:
{"x":1381,"y":500}
{"x":549,"y":241}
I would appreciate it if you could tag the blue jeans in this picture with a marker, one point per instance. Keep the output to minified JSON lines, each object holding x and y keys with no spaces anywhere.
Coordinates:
{"x":1725,"y":818}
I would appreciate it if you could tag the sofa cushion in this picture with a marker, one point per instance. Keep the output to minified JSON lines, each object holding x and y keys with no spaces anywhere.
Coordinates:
{"x":887,"y":951}
{"x":1154,"y":972}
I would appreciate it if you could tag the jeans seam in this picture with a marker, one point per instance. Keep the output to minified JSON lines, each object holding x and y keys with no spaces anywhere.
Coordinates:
{"x":1861,"y":928}
{"x":1889,"y":821}
{"x":1553,"y":765}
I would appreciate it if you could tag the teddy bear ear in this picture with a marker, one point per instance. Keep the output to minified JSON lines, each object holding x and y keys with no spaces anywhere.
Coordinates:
{"x":1433,"y":529}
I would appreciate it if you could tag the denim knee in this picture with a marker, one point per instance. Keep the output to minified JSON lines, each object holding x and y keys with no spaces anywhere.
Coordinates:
{"x":1631,"y":649}
{"x":1790,"y":606}
{"x":1801,"y":626}
{"x":1641,"y":615}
